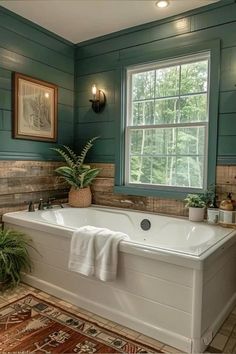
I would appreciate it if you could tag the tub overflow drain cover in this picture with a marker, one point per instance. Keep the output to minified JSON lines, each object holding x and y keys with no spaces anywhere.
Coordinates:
{"x":145,"y":224}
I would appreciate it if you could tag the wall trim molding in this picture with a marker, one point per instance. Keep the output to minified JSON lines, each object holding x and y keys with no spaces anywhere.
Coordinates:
{"x":27,"y":156}
{"x":226,"y":160}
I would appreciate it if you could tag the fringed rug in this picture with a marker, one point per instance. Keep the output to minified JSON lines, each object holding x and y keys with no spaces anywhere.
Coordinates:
{"x":33,"y":325}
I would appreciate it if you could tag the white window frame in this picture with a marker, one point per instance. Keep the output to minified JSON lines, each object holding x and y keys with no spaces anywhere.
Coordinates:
{"x":186,"y":59}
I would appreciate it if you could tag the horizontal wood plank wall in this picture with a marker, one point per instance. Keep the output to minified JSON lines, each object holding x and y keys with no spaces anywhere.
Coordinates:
{"x":97,"y":61}
{"x":102,"y":190}
{"x":24,"y":181}
{"x":31,"y":50}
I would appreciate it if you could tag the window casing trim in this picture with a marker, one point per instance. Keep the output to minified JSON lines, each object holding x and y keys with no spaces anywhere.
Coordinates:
{"x":205,"y":56}
{"x":154,"y":54}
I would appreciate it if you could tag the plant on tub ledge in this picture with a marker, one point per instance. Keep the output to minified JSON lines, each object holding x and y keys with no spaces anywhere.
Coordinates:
{"x":196,"y":204}
{"x":77,"y":174}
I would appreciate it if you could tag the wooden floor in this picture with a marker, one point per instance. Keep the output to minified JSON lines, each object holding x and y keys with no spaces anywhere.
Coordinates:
{"x":223,"y":342}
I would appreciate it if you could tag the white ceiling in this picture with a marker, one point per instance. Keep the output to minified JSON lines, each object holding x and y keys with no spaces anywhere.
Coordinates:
{"x":79,"y":20}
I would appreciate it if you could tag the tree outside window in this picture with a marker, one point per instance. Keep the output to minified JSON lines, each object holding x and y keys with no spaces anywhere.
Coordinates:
{"x":167,"y":123}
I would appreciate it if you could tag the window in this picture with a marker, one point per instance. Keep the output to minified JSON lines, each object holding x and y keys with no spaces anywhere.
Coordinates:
{"x":167,"y":124}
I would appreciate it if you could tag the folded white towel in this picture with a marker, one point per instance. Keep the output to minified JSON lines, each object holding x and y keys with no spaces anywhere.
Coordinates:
{"x":94,"y":252}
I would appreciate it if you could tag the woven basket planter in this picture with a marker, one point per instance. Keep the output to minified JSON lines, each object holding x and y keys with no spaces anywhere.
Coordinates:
{"x":80,"y":198}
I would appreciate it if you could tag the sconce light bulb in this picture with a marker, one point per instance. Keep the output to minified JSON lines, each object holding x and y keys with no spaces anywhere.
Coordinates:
{"x":94,"y":90}
{"x":46,"y":95}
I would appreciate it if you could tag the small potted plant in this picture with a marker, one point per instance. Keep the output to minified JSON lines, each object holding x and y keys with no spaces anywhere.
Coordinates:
{"x":14,"y":257}
{"x":196,"y":204}
{"x":78,"y":175}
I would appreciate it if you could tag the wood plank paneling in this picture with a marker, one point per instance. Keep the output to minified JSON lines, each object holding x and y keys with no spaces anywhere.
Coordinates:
{"x":105,"y":130}
{"x":65,"y":116}
{"x":85,"y":114}
{"x":100,"y":63}
{"x":227,"y":124}
{"x":157,"y":40}
{"x":156,"y":31}
{"x":136,"y":37}
{"x":15,"y":43}
{"x":103,"y":148}
{"x":215,"y":17}
{"x":27,"y":48}
{"x":226,"y":145}
{"x":105,"y":79}
{"x":6,"y":99}
{"x":228,"y":69}
{"x":8,"y":144}
{"x":65,"y":136}
{"x":22,"y":181}
{"x":103,"y":194}
{"x":27,"y":169}
{"x":33,"y":51}
{"x":228,"y":102}
{"x":5,"y":120}
{"x":30,"y":30}
{"x":16,"y":62}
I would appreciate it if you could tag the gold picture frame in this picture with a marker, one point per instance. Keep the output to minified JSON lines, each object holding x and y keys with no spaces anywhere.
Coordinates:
{"x":35,"y":109}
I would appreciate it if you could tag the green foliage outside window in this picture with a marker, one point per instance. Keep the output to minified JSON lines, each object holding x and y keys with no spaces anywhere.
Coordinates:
{"x":173,"y":101}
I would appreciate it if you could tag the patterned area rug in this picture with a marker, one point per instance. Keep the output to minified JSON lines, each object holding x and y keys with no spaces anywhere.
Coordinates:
{"x":32,"y":325}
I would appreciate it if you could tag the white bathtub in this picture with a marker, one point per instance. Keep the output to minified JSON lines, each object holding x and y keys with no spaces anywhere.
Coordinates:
{"x":176,"y":282}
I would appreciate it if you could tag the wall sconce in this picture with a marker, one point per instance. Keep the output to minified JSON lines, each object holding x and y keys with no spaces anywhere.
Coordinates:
{"x":99,"y":100}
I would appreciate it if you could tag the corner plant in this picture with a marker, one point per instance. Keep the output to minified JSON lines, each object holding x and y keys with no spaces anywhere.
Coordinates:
{"x":195,"y":201}
{"x":76,"y":173}
{"x":14,"y":257}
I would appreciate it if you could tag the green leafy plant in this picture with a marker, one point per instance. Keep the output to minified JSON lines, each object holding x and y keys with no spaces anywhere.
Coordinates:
{"x":210,"y":196}
{"x":195,"y":201}
{"x":76,"y":173}
{"x":14,"y":257}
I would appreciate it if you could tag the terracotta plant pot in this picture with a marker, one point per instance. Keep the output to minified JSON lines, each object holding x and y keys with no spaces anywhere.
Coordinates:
{"x":196,"y":214}
{"x":80,"y":198}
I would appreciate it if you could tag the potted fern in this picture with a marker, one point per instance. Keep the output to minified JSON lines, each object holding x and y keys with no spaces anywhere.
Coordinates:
{"x":14,"y":257}
{"x":77,"y":174}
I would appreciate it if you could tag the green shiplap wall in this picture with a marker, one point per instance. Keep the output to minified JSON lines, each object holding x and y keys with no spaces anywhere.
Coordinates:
{"x":98,"y":60}
{"x":31,"y":50}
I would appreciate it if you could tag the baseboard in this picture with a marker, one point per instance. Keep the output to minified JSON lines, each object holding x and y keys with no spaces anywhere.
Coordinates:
{"x":219,"y":320}
{"x":162,"y":335}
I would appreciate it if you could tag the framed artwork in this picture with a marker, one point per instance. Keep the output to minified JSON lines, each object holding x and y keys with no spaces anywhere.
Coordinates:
{"x":35,"y":109}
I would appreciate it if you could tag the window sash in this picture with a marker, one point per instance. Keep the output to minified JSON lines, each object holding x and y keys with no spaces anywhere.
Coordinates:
{"x":170,"y":125}
{"x":129,"y":155}
{"x":182,"y":95}
{"x":167,"y":63}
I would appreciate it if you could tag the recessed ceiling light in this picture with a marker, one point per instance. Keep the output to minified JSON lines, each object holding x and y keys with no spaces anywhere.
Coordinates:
{"x":162,"y":3}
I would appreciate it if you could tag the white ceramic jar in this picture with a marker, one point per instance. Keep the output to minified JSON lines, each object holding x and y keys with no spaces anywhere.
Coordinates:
{"x":213,"y":215}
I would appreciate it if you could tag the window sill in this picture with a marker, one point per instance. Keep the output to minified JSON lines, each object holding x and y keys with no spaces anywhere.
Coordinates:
{"x":153,"y":192}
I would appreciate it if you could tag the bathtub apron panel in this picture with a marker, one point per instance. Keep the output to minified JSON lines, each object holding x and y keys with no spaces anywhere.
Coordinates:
{"x":179,"y":299}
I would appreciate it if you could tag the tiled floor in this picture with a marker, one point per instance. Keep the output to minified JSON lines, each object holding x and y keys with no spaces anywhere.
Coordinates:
{"x":224,"y":341}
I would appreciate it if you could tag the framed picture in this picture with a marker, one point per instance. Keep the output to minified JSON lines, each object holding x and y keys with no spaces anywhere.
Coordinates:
{"x":35,"y":109}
